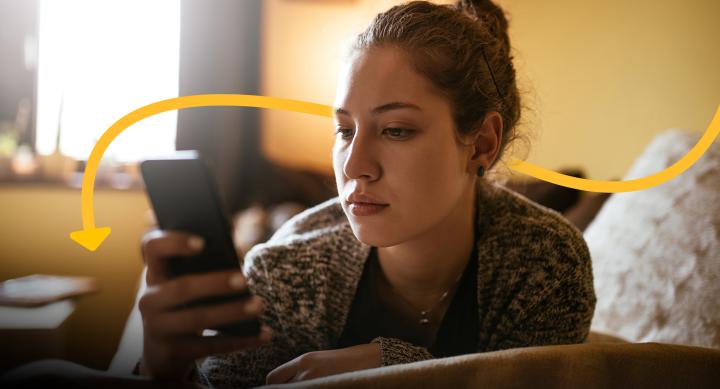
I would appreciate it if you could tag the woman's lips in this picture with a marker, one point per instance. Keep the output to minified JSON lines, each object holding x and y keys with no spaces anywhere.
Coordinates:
{"x":366,"y":209}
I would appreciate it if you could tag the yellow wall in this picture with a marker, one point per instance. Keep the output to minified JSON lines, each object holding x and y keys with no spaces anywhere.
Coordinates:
{"x":601,"y":77}
{"x":35,"y":224}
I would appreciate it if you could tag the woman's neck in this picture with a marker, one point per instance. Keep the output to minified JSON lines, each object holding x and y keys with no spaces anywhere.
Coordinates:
{"x":423,"y":268}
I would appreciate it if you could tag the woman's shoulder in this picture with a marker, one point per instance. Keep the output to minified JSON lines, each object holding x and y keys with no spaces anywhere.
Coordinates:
{"x":535,"y":276}
{"x":512,"y":219}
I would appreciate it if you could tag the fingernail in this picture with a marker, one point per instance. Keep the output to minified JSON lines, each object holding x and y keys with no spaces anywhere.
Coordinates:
{"x":196,"y":243}
{"x":237,"y":281}
{"x":253,"y":306}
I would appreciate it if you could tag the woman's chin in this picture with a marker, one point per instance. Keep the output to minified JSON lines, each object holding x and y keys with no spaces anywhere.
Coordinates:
{"x":372,"y":235}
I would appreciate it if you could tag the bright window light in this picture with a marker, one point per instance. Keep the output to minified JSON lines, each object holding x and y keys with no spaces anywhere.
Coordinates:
{"x":99,"y":60}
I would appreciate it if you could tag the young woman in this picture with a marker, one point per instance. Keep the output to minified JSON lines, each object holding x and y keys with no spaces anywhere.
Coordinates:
{"x":420,"y":256}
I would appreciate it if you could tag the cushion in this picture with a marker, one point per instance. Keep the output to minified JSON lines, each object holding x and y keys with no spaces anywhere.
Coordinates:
{"x":587,"y":366}
{"x":585,"y":210}
{"x":578,"y":207}
{"x":656,"y":252}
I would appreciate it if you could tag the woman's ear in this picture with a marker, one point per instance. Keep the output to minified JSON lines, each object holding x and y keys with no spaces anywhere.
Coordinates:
{"x":486,"y":142}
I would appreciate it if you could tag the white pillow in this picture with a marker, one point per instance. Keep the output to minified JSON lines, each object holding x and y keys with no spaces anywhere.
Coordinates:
{"x":656,"y":252}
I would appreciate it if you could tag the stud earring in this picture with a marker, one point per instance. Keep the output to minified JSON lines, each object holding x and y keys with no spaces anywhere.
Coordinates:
{"x":481,"y":171}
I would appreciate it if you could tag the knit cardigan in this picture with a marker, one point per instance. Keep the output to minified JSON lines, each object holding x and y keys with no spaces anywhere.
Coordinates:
{"x":534,"y":286}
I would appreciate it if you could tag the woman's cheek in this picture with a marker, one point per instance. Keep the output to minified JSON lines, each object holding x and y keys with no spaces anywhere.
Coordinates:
{"x":338,"y":163}
{"x":437,"y":181}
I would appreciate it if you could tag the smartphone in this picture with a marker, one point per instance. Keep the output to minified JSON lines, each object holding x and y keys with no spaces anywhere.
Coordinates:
{"x":184,"y":196}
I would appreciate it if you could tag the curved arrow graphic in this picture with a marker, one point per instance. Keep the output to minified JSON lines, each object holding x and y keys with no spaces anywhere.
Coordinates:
{"x":91,"y":237}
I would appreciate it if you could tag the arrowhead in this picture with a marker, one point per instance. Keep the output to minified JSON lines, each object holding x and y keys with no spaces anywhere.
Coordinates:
{"x":90,"y":239}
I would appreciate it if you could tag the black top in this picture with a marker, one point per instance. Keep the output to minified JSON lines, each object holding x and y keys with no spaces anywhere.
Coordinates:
{"x":370,"y":316}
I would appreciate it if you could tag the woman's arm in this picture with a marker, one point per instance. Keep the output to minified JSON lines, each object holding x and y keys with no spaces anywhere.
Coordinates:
{"x":553,"y":299}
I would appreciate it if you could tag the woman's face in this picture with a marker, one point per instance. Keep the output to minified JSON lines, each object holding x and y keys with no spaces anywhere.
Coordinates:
{"x":396,"y":144}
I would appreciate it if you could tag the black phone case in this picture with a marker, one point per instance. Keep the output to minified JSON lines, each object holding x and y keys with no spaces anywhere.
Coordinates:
{"x":184,"y":197}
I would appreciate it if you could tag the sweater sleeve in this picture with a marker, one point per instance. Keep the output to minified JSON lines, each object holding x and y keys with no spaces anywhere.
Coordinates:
{"x":249,"y":367}
{"x":554,"y":300}
{"x":242,"y":369}
{"x":395,"y":351}
{"x":192,"y":375}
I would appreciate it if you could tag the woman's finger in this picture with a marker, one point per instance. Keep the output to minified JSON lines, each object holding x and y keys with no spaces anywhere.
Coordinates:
{"x":159,"y":245}
{"x":192,"y":287}
{"x":192,"y":320}
{"x":283,"y":373}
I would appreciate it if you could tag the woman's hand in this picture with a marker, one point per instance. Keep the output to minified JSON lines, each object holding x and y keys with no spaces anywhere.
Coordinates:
{"x":324,"y":363}
{"x":172,"y":335}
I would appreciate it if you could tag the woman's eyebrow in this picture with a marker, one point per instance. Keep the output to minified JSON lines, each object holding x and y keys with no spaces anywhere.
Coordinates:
{"x":383,"y":108}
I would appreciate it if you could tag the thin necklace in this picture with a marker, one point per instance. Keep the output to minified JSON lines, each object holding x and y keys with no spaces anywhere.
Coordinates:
{"x":423,"y":318}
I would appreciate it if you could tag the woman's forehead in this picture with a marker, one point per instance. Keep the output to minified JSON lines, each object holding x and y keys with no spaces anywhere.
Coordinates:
{"x":381,"y":76}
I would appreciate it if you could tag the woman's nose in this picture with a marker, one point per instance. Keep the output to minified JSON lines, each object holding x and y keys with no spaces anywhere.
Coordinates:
{"x":360,"y":161}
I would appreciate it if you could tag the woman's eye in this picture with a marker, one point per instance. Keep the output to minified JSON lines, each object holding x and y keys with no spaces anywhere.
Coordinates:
{"x":344,"y":132}
{"x":393,"y":132}
{"x":397,"y":132}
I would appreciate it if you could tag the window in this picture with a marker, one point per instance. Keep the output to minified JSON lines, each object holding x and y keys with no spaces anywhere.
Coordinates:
{"x":99,"y":60}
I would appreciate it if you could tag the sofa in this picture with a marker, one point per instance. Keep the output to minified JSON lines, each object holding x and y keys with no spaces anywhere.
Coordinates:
{"x":656,"y":263}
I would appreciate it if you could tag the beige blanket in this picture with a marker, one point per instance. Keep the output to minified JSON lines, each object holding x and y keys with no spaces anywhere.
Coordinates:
{"x":586,"y":366}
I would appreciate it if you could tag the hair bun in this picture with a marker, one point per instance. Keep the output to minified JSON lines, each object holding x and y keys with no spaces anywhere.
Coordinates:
{"x":490,"y":15}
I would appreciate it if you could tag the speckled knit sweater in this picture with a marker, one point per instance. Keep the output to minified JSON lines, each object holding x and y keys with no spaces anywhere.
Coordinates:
{"x":535,"y":285}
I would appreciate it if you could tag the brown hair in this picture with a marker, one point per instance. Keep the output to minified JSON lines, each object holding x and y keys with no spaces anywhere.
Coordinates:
{"x":464,"y":50}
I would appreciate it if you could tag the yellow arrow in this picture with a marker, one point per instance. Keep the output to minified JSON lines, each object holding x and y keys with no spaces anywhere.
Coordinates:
{"x":631,"y":185}
{"x":92,"y":237}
